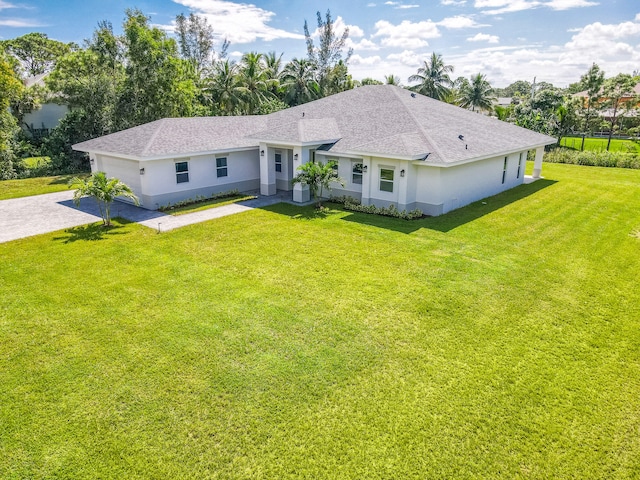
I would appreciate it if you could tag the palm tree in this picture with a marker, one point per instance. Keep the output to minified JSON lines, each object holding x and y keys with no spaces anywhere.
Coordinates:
{"x":273,"y":69}
{"x":477,"y":94}
{"x":433,"y":78}
{"x":224,"y":88}
{"x":104,"y":190}
{"x":298,"y":80}
{"x":392,"y":80}
{"x":254,"y":82}
{"x":317,"y":176}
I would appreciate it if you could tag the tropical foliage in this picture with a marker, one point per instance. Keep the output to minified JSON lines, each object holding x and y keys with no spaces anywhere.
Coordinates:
{"x":318,"y":176}
{"x":104,"y":190}
{"x":433,"y":78}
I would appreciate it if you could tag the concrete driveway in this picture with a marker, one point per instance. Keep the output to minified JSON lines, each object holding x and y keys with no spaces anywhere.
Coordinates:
{"x":28,"y":216}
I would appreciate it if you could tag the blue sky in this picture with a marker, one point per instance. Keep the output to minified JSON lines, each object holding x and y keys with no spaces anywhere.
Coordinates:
{"x":553,"y":40}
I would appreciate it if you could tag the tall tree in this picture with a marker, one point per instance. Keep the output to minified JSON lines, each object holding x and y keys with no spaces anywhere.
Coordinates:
{"x":10,"y":88}
{"x":224,"y":89}
{"x":254,"y":82}
{"x":197,"y":42}
{"x":298,"y":79}
{"x":433,"y":78}
{"x":328,"y":54}
{"x":592,"y":82}
{"x":477,"y":94}
{"x":158,"y":83}
{"x":273,"y":70}
{"x":619,"y":94}
{"x":37,"y":52}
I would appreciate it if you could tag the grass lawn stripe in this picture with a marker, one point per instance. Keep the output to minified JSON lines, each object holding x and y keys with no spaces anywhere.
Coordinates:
{"x":498,"y":341}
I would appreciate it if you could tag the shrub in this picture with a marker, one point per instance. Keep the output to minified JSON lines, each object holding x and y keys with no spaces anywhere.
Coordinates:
{"x":593,"y":159}
{"x":354,"y":205}
{"x":199,"y":199}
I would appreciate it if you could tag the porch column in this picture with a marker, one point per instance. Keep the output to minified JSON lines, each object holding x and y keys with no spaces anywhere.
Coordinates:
{"x":367,"y":173}
{"x":537,"y":164}
{"x":267,"y":171}
{"x":301,"y":192}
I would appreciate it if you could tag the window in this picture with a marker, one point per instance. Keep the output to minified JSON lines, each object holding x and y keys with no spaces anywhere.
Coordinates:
{"x":221,"y":167}
{"x":504,"y":170}
{"x":182,"y":172}
{"x":519,"y":165}
{"x":278,"y":162}
{"x":386,"y":180}
{"x":356,"y":173}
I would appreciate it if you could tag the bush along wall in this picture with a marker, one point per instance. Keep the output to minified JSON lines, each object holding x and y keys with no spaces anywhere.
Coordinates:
{"x":354,"y":205}
{"x":593,"y":159}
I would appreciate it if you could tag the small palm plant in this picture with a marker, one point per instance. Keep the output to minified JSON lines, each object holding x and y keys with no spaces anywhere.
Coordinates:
{"x":317,"y":176}
{"x":104,"y":190}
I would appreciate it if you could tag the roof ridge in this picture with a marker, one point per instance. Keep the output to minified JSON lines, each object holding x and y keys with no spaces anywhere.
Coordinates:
{"x":153,"y":137}
{"x":420,"y":127}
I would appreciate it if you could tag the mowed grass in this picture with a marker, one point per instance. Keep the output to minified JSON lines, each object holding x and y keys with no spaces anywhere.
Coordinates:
{"x":207,"y":204}
{"x":498,"y":341}
{"x":26,"y":187}
{"x":600,"y":144}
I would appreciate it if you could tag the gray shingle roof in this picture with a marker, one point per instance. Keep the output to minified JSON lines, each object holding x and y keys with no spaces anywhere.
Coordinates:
{"x":382,"y":120}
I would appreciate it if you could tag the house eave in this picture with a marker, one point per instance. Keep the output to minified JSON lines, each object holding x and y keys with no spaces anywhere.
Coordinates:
{"x":140,"y":158}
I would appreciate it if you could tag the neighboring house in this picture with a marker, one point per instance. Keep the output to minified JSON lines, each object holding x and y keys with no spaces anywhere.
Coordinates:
{"x":392,"y":147}
{"x":631,"y":99}
{"x":41,"y":121}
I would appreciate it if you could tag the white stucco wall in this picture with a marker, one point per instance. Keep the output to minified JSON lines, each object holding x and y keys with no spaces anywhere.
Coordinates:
{"x":158,"y":185}
{"x":48,"y":115}
{"x":464,"y":184}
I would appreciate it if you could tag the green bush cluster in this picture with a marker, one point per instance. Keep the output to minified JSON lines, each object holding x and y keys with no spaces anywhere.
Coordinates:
{"x":199,"y":199}
{"x":354,"y":205}
{"x":593,"y":159}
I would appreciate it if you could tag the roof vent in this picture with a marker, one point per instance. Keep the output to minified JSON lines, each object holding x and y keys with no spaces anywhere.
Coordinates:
{"x":461,"y":137}
{"x":302,"y":114}
{"x":413,"y":95}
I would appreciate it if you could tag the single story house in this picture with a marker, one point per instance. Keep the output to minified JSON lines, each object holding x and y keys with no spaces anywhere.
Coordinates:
{"x":392,"y":146}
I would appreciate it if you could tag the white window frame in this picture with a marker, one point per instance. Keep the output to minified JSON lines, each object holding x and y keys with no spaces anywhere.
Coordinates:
{"x":182,"y":176}
{"x":504,"y":169}
{"x":355,"y":174}
{"x":278,"y":161}
{"x":222,"y":170}
{"x":387,"y":181}
{"x":519,"y":165}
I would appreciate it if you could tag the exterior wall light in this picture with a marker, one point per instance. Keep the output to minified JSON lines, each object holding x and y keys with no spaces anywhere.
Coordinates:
{"x":262,"y":153}
{"x":142,"y":171}
{"x":92,"y":161}
{"x":365,"y":168}
{"x":295,"y":157}
{"x":402,"y":172}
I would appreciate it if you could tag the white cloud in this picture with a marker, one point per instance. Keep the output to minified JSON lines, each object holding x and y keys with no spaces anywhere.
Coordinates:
{"x":404,"y":7}
{"x":453,"y":2}
{"x":238,"y":22}
{"x":5,"y":5}
{"x":407,"y":57}
{"x":407,"y":34}
{"x":363,"y":44}
{"x":567,"y":4}
{"x":358,"y":60}
{"x":371,"y":4}
{"x":20,"y":23}
{"x":484,"y":37}
{"x":459,"y":21}
{"x":499,"y":7}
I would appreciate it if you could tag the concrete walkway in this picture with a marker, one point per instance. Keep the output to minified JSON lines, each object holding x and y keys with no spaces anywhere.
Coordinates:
{"x":28,"y":216}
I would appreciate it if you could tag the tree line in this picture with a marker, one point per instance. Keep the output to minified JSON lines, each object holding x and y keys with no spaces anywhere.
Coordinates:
{"x":113,"y":82}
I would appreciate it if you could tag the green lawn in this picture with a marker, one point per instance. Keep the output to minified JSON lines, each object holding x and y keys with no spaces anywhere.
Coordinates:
{"x":35,"y":186}
{"x":207,"y":204}
{"x":498,"y":341}
{"x":600,"y":144}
